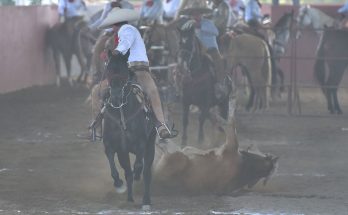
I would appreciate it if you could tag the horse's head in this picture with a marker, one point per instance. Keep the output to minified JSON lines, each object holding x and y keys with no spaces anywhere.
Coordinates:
{"x":154,"y":40}
{"x":117,"y":74}
{"x":304,"y":19}
{"x":256,"y":166}
{"x":187,"y":44}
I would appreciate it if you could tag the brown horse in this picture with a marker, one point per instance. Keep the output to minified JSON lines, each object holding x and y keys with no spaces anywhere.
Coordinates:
{"x":251,"y":53}
{"x":221,"y":169}
{"x":66,"y":43}
{"x":333,"y":50}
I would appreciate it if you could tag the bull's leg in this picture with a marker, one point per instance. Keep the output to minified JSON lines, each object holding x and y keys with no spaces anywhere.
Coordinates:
{"x":123,"y":158}
{"x":118,"y":183}
{"x":147,"y":174}
{"x":185,"y":121}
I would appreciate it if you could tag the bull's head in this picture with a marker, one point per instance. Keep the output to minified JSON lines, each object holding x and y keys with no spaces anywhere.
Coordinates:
{"x":256,"y":166}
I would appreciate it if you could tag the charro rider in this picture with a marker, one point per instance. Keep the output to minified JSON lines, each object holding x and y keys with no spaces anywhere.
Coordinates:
{"x":207,"y":34}
{"x":222,"y":15}
{"x":129,"y":39}
{"x":100,"y":43}
{"x":70,"y":11}
{"x":151,"y":11}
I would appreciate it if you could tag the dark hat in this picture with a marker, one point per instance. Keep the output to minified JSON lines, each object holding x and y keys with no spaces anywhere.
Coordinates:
{"x":196,"y":11}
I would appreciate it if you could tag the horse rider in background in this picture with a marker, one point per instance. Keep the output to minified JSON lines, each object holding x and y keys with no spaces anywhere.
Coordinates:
{"x":151,"y":11}
{"x":207,"y":34}
{"x":185,"y":4}
{"x":129,"y":39}
{"x":70,"y":13}
{"x":238,"y":7}
{"x":170,"y":9}
{"x":253,"y":15}
{"x":222,"y":15}
{"x":343,"y":11}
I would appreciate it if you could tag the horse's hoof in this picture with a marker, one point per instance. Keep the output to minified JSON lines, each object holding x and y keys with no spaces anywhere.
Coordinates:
{"x":146,"y":207}
{"x":121,"y":189}
{"x":137,"y":177}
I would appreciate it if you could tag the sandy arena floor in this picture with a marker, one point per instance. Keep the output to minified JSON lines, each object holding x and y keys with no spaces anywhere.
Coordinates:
{"x":46,"y":169}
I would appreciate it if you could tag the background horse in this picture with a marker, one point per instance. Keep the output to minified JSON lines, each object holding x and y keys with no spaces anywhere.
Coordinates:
{"x":252,"y":54}
{"x":63,"y":43}
{"x":282,"y":35}
{"x":333,"y":50}
{"x":128,"y":129}
{"x":197,"y":80}
{"x":314,"y":18}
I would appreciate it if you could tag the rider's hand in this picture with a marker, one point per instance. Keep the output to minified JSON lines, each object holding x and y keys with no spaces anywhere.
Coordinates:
{"x":115,"y":52}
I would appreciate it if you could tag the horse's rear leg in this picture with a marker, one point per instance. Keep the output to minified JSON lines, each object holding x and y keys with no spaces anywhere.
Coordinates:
{"x":123,"y":158}
{"x":57,"y":67}
{"x":202,"y":118}
{"x":147,"y":173}
{"x":185,"y":121}
{"x":67,"y":60}
{"x":118,"y":183}
{"x":251,"y":99}
{"x":337,"y":70}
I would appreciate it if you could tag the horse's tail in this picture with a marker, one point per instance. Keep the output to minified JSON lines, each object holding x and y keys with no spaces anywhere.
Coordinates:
{"x":319,"y":66}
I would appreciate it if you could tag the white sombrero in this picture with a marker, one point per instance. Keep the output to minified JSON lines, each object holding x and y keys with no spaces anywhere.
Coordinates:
{"x":118,"y":15}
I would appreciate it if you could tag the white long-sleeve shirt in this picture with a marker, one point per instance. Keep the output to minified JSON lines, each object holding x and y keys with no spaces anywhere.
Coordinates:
{"x":130,"y":39}
{"x":343,"y":9}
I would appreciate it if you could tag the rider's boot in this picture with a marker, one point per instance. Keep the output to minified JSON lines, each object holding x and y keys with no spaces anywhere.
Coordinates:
{"x":147,"y":83}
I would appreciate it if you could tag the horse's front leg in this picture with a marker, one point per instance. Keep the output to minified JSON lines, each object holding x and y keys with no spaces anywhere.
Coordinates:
{"x":118,"y":183}
{"x":123,"y":158}
{"x":138,"y":164}
{"x":149,"y":155}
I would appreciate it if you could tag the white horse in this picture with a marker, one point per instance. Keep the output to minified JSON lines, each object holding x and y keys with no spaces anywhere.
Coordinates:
{"x":313,"y":18}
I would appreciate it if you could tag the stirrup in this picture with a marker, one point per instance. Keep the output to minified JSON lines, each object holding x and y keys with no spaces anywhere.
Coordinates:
{"x":165,"y":133}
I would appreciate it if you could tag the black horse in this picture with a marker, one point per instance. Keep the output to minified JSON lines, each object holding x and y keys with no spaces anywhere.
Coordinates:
{"x":333,"y":50}
{"x":128,"y":128}
{"x":197,"y":79}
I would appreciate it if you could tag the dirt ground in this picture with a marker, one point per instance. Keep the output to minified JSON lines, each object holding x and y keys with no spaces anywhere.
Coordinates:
{"x":45,"y":168}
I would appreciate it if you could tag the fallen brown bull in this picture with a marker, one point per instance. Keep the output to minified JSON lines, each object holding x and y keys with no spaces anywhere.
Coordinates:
{"x":221,"y":169}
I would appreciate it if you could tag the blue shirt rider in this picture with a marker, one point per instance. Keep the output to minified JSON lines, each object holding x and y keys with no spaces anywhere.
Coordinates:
{"x":253,"y":11}
{"x":343,"y":10}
